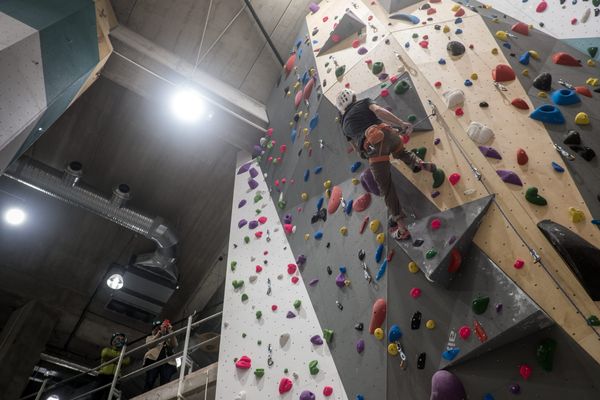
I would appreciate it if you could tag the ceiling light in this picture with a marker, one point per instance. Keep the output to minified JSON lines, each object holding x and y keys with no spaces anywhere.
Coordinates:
{"x":187,"y":105}
{"x":14,"y":216}
{"x":53,"y":397}
{"x":115,"y":281}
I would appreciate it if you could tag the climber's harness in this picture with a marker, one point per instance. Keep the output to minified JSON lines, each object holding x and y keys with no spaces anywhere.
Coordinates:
{"x":374,"y":135}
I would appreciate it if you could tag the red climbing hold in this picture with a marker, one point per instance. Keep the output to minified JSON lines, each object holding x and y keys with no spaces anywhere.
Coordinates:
{"x":274,"y":307}
{"x":258,"y":269}
{"x":583,"y":90}
{"x":285,"y":385}
{"x":295,"y":279}
{"x":298,"y":98}
{"x":325,"y":18}
{"x":393,"y":79}
{"x":454,"y":178}
{"x":503,"y":73}
{"x":436,"y":224}
{"x":355,"y":43}
{"x":563,"y":58}
{"x":521,"y":27}
{"x":289,"y":228}
{"x":522,"y":157}
{"x":308,"y":88}
{"x":334,"y":199}
{"x":243,"y":363}
{"x":415,"y":293}
{"x":377,"y":315}
{"x":431,"y":11}
{"x":455,"y":261}
{"x":289,"y":65}
{"x":520,"y":103}
{"x":542,"y":6}
{"x":464,"y":332}
{"x":424,"y":44}
{"x":525,"y":371}
{"x":460,"y":12}
{"x":574,"y":21}
{"x":459,"y":112}
{"x":519,"y":263}
{"x":270,"y":132}
{"x":282,"y":148}
{"x":291,"y":268}
{"x":364,"y":225}
{"x":437,"y":84}
{"x":335,"y":37}
{"x":384,"y":93}
{"x":258,"y":234}
{"x":327,"y":391}
{"x":362,"y":203}
{"x":262,"y":220}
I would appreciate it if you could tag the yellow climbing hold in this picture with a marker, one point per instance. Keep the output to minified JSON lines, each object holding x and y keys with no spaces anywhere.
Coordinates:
{"x":494,"y":51}
{"x":327,"y":184}
{"x":593,"y":81}
{"x":306,"y":236}
{"x":446,"y":29}
{"x":378,"y":333}
{"x":374,"y":225}
{"x":582,"y":119}
{"x":328,"y":193}
{"x":542,"y":95}
{"x":343,"y":231}
{"x":591,"y":63}
{"x":576,"y":215}
{"x":297,"y":85}
{"x":380,"y":238}
{"x":300,"y":113}
{"x":525,"y":72}
{"x":305,"y":130}
{"x":474,"y":76}
{"x":306,"y":144}
{"x":393,"y":349}
{"x":413,"y":267}
{"x":347,"y":282}
{"x":304,"y":196}
{"x":456,"y":7}
{"x":430,"y":324}
{"x":534,"y":54}
{"x":355,"y":181}
{"x":502,"y":35}
{"x":291,"y":123}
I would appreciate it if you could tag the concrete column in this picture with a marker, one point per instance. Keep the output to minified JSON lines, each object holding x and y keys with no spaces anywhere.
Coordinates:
{"x":22,"y":340}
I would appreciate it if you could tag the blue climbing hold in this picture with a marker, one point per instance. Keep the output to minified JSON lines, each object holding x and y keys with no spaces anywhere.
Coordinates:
{"x":381,"y":270}
{"x":306,"y":175}
{"x":354,"y":167}
{"x":450,"y":354}
{"x":394,"y":334}
{"x":299,"y":43}
{"x":318,"y":235}
{"x":458,"y":31}
{"x":360,"y":397}
{"x":442,"y":61}
{"x":557,"y":167}
{"x":305,"y":78}
{"x":468,"y":82}
{"x":318,"y":170}
{"x":596,"y":222}
{"x":407,"y":45}
{"x":565,"y":97}
{"x":320,"y":203}
{"x":294,"y":134}
{"x":507,"y":45}
{"x":299,"y":54}
{"x":488,"y":396}
{"x":342,"y":269}
{"x":458,"y":20}
{"x":314,"y":121}
{"x":348,"y":209}
{"x":406,"y":17}
{"x":548,"y":114}
{"x":524,"y":59}
{"x":379,"y":253}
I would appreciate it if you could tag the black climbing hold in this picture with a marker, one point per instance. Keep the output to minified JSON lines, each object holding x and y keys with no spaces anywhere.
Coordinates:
{"x":328,"y":245}
{"x":456,"y":48}
{"x":484,"y":104}
{"x":329,"y":271}
{"x":425,"y":6}
{"x":513,"y":55}
{"x":572,"y":137}
{"x":415,"y":322}
{"x":361,"y":254}
{"x":319,"y":215}
{"x":597,"y":90}
{"x":581,"y":256}
{"x":418,"y":242}
{"x":421,"y":361}
{"x":437,"y":27}
{"x":235,"y":246}
{"x":585,"y":152}
{"x":387,"y":41}
{"x":541,"y":24}
{"x":543,"y":82}
{"x":359,"y":326}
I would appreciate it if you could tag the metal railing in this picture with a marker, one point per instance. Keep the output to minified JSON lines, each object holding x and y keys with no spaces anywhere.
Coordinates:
{"x":187,"y":349}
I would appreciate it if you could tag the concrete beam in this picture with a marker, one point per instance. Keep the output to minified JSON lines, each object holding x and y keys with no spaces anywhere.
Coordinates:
{"x":194,"y":386}
{"x":154,"y":63}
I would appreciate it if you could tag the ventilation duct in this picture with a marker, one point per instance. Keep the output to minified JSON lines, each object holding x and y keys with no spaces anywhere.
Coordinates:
{"x":67,"y":186}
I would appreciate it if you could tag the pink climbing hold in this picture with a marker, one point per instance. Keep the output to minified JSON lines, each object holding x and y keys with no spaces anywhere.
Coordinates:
{"x":335,"y":38}
{"x":262,"y":220}
{"x":424,"y":44}
{"x":384,"y":93}
{"x":279,"y":161}
{"x":274,"y":307}
{"x":285,"y":385}
{"x":327,"y":391}
{"x":355,"y":43}
{"x":258,"y":268}
{"x":377,"y":315}
{"x":283,"y":180}
{"x":415,"y":293}
{"x":519,"y":263}
{"x":289,"y":228}
{"x":295,"y":279}
{"x":258,"y":234}
{"x":308,"y":88}
{"x":525,"y":371}
{"x":436,"y":224}
{"x":541,"y":7}
{"x":431,"y":11}
{"x":282,"y":148}
{"x":270,"y":132}
{"x":298,"y":98}
{"x":454,"y":178}
{"x":393,"y":79}
{"x":243,"y":363}
{"x":459,"y":112}
{"x":325,"y":18}
{"x":291,"y":269}
{"x":464,"y":332}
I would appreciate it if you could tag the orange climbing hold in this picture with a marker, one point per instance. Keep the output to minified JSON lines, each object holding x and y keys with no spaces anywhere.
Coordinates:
{"x":563,"y":58}
{"x":503,"y":73}
{"x":289,"y":65}
{"x":334,"y":200}
{"x":377,"y":315}
{"x":520,"y":103}
{"x":583,"y":90}
{"x":521,"y":27}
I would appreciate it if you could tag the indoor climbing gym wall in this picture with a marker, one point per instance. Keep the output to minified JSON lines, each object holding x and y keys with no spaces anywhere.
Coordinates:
{"x":497,"y":292}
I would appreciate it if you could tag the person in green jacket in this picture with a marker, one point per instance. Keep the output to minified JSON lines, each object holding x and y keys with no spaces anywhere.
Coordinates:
{"x":107,"y":372}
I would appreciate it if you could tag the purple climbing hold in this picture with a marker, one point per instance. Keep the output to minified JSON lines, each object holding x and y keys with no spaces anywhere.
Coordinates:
{"x":435,"y":194}
{"x":307,"y":395}
{"x":252,"y":224}
{"x":499,"y":307}
{"x":490,"y":152}
{"x":257,"y":151}
{"x":362,"y":50}
{"x":290,"y":315}
{"x":301,"y":260}
{"x":242,"y":223}
{"x":446,"y":386}
{"x":514,"y":388}
{"x":509,"y":177}
{"x":360,"y":346}
{"x":253,"y":172}
{"x":368,"y":182}
{"x":316,"y":340}
{"x":313,"y":7}
{"x":451,"y":240}
{"x":437,"y":141}
{"x":244,"y":168}
{"x":383,"y":77}
{"x":253,"y":184}
{"x":313,"y":282}
{"x":339,"y":280}
{"x":242,"y":203}
{"x":287,"y":219}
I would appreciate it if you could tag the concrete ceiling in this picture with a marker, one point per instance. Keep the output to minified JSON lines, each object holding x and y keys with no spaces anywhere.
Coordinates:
{"x":183,"y":174}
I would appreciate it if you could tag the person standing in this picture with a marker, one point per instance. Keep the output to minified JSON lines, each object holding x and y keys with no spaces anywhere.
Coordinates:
{"x":160,"y":351}
{"x":107,"y":372}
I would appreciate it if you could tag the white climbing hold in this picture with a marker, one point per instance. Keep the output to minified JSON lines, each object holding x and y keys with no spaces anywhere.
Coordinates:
{"x":283,"y":339}
{"x":454,"y":97}
{"x":469,"y":192}
{"x":586,"y":15}
{"x":240,"y":396}
{"x":479,"y":133}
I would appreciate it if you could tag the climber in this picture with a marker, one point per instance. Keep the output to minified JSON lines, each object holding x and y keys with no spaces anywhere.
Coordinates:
{"x":372,"y":132}
{"x":159,"y":351}
{"x":107,"y":372}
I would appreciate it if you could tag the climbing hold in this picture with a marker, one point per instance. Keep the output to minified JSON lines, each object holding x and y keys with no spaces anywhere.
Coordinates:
{"x":468,"y":83}
{"x":380,"y":238}
{"x":449,"y":355}
{"x":533,"y":197}
{"x":541,"y":7}
{"x":514,"y":388}
{"x":415,"y":293}
{"x":543,"y":82}
{"x":378,"y":333}
{"x":583,"y":90}
{"x":259,"y":372}
{"x":242,"y":223}
{"x":524,"y":59}
{"x":244,"y":297}
{"x":576,"y":215}
{"x":393,"y":349}
{"x":509,"y":177}
{"x":455,"y":48}
{"x":459,"y":112}
{"x":490,"y":152}
{"x":291,"y":269}
{"x":343,"y":231}
{"x":339,"y":71}
{"x":401,"y":87}
{"x":582,"y":119}
{"x":377,"y":68}
{"x":455,"y":261}
{"x":521,"y":27}
{"x":431,"y":253}
{"x":565,"y":97}
{"x":381,"y":270}
{"x":557,"y":167}
{"x":454,"y":97}
{"x":519,"y":263}
{"x":464,"y":332}
{"x":479,"y":133}
{"x":563,"y":58}
{"x":237,"y":284}
{"x":592,"y":320}
{"x":545,"y":353}
{"x":480,"y":304}
{"x":313,"y":368}
{"x":548,"y":113}
{"x":438,"y":178}
{"x":503,"y":73}
{"x":360,"y":346}
{"x":483,"y":104}
{"x":374,"y":225}
{"x":297,"y":304}
{"x":522,"y":157}
{"x":377,"y":314}
{"x":252,"y":224}
{"x":307,"y":395}
{"x":520,"y":103}
{"x":285,"y":385}
{"x":394,"y":334}
{"x":501,"y":35}
{"x":328,"y":335}
{"x":243,"y":363}
{"x":362,"y":203}
{"x":413,"y":268}
{"x":430,"y":324}
{"x":327,"y":391}
{"x":379,"y":253}
{"x":525,"y":371}
{"x":335,"y":198}
{"x":424,"y":44}
{"x":454,"y":178}
{"x":494,"y":51}
{"x":405,"y":17}
{"x":258,"y":314}
{"x":436,"y":224}
{"x":593,"y":82}
{"x":354,"y":167}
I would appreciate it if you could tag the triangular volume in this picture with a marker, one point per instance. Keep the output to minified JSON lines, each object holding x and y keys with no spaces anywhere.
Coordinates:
{"x":440,"y":241}
{"x":268,"y":317}
{"x":403,"y":100}
{"x":391,"y":6}
{"x":348,"y":26}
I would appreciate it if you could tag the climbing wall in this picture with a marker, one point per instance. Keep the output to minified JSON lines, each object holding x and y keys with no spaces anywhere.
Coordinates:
{"x":272,"y":345}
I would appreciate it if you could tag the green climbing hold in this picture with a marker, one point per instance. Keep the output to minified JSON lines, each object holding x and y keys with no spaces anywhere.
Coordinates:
{"x":339,"y":71}
{"x":297,"y":304}
{"x":327,"y":64}
{"x":438,"y":177}
{"x":328,"y":335}
{"x":411,"y":118}
{"x":244,"y":297}
{"x":259,"y":342}
{"x":257,"y":198}
{"x":592,"y":51}
{"x":480,"y":304}
{"x":420,"y":152}
{"x":533,"y":197}
{"x":258,"y":211}
{"x":431,"y":253}
{"x":233,"y":265}
{"x":285,"y":371}
{"x":259,"y":372}
{"x":281,"y":204}
{"x":377,"y":68}
{"x":593,"y":320}
{"x":545,"y":353}
{"x":401,"y":87}
{"x":258,"y":314}
{"x":596,"y":3}
{"x":237,"y":284}
{"x":246,"y":239}
{"x":415,"y":35}
{"x":312,"y":367}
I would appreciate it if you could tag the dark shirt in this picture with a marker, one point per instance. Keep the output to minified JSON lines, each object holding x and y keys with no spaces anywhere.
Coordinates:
{"x":357,"y":118}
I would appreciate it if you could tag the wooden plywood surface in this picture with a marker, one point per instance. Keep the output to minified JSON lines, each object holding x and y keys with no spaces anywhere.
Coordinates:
{"x":513,"y":129}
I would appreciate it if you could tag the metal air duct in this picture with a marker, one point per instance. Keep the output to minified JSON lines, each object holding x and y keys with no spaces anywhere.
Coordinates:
{"x":67,"y":186}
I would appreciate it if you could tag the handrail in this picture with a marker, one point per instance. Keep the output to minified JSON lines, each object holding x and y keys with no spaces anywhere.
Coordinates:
{"x":112,"y":361}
